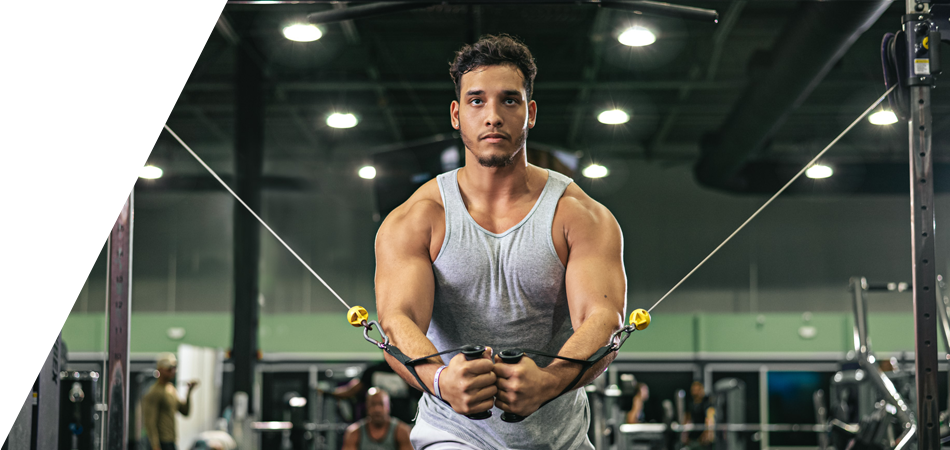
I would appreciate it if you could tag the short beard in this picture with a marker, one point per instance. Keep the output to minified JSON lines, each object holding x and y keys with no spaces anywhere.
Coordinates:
{"x":497,"y":161}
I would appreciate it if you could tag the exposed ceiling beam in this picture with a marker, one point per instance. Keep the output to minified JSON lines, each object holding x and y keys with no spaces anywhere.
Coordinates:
{"x":385,"y":54}
{"x":209,"y":124}
{"x":306,"y":129}
{"x":730,"y":18}
{"x":823,"y":111}
{"x":812,"y":42}
{"x":349,"y":27}
{"x":352,"y":35}
{"x":321,"y":86}
{"x":227,"y":30}
{"x":597,"y":35}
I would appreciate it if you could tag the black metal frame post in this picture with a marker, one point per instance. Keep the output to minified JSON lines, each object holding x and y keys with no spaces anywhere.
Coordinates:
{"x":249,"y":161}
{"x":120,"y":293}
{"x":917,"y":26}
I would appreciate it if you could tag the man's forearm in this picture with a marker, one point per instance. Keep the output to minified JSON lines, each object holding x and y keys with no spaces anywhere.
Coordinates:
{"x":185,"y":408}
{"x":593,"y":334}
{"x":406,"y":335}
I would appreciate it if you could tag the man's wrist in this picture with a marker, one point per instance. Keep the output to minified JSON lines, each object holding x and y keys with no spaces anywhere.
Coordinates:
{"x":435,"y":381}
{"x":561,"y":375}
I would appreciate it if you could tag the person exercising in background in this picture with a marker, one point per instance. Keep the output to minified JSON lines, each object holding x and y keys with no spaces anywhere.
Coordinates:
{"x":700,"y":412}
{"x":504,"y":254}
{"x":642,"y":394}
{"x":378,"y":431}
{"x":161,"y":402}
{"x":402,"y":399}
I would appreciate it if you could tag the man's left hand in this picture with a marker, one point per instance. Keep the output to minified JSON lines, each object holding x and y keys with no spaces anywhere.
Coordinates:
{"x":192,"y":384}
{"x":523,"y":387}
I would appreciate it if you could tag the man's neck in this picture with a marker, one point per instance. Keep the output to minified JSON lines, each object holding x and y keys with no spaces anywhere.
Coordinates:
{"x":378,"y":426}
{"x":497,"y":184}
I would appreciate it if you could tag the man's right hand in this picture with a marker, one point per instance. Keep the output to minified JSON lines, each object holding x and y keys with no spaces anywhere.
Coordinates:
{"x":469,"y":386}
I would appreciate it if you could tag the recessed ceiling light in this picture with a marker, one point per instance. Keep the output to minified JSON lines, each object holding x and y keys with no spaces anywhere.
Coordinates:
{"x":883,"y":118}
{"x":150,"y":172}
{"x":302,"y":32}
{"x":342,"y":120}
{"x":819,"y":171}
{"x":637,"y":36}
{"x":594,"y":171}
{"x":613,"y":117}
{"x":367,"y":172}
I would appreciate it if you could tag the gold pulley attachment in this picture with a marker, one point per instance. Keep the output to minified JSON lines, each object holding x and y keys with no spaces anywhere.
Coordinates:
{"x":357,"y":316}
{"x":640,"y":319}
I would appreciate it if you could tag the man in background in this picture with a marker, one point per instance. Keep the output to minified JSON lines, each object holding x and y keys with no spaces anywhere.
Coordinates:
{"x":642,"y":394}
{"x":161,"y":402}
{"x":403,"y":399}
{"x":379,"y":430}
{"x":700,"y":412}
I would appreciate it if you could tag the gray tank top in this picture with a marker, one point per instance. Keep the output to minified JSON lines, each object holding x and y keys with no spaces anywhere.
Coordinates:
{"x":387,"y":443}
{"x":504,"y":291}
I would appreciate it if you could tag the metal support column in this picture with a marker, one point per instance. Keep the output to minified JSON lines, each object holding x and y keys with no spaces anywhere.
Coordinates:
{"x":920,"y":81}
{"x":925,"y":298}
{"x":248,"y":156}
{"x":120,"y":293}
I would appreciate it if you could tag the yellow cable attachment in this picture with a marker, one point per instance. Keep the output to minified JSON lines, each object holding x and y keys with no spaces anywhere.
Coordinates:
{"x":357,"y":315}
{"x":640,"y":319}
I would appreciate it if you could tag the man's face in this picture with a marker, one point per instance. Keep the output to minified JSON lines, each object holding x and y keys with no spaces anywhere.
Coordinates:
{"x":697,"y":389}
{"x":493,"y":114}
{"x":168,"y":372}
{"x":377,"y":407}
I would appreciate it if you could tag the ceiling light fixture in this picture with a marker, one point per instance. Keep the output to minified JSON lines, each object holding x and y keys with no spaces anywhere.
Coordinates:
{"x":595,"y":171}
{"x":302,"y":32}
{"x":819,"y":171}
{"x":637,"y":36}
{"x":150,"y":172}
{"x":613,"y":117}
{"x":884,"y":117}
{"x":342,"y":120}
{"x":367,"y":172}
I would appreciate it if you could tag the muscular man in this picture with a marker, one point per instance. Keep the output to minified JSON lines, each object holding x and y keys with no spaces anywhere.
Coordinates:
{"x":504,"y":254}
{"x":378,"y":431}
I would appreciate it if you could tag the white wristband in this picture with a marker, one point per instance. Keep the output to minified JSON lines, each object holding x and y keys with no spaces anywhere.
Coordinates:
{"x":435,"y":382}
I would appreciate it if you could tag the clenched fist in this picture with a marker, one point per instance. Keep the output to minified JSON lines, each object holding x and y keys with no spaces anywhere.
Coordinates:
{"x":523,"y":387}
{"x":469,"y":386}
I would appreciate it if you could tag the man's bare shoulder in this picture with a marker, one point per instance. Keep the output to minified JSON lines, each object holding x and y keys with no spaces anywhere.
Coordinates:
{"x":418,"y":214}
{"x":577,"y":208}
{"x":353,"y":428}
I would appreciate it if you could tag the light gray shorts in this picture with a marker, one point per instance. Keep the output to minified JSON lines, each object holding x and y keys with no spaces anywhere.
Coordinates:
{"x":428,"y":437}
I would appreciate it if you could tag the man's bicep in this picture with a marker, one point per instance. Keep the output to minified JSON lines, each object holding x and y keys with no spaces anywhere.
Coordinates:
{"x":595,"y":277}
{"x":405,"y":285}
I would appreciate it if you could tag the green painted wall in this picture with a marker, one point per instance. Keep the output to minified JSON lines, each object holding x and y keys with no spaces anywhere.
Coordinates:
{"x":668,"y":333}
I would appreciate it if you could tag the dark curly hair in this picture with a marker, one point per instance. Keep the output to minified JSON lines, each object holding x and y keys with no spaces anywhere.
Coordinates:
{"x":494,"y":50}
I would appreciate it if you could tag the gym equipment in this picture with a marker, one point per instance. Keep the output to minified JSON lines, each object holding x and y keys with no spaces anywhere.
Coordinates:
{"x":78,"y":419}
{"x":729,"y":394}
